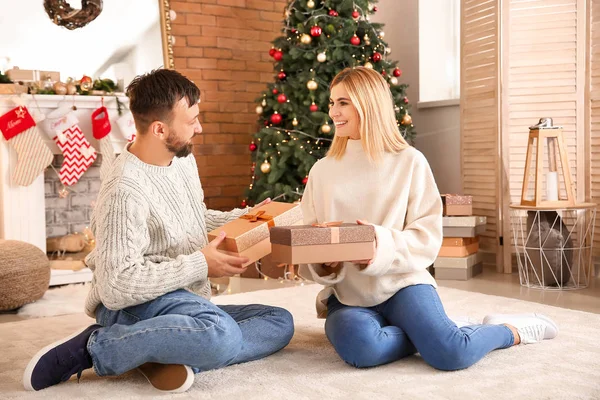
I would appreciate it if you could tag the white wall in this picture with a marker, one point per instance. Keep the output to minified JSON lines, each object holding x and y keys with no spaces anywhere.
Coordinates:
{"x":438,"y":129}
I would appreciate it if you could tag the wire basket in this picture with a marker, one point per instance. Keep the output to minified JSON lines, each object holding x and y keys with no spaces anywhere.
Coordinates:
{"x":554,"y":246}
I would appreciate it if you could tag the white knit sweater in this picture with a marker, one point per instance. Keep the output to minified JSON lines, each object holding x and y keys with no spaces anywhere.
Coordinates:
{"x":150,"y":223}
{"x":400,"y":197}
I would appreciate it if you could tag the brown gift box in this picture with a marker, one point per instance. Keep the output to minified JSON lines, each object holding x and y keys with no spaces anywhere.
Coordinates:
{"x":459,"y":251}
{"x":321,"y":243}
{"x":459,"y":241}
{"x":248,"y":236}
{"x":455,"y":204}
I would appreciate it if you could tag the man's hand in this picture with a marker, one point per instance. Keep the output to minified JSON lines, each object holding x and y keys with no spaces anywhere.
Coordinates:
{"x":262,"y":203}
{"x":220,"y":264}
{"x":365,"y":263}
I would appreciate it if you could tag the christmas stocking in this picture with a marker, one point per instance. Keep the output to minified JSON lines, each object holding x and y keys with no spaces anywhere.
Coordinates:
{"x":33,"y":155}
{"x":101,"y":129}
{"x":78,"y":152}
{"x":127,"y":126}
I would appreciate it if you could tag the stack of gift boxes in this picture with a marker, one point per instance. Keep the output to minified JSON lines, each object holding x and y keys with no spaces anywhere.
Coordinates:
{"x":459,"y":257}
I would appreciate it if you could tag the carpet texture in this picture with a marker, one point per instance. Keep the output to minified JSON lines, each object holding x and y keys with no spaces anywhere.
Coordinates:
{"x":567,"y":367}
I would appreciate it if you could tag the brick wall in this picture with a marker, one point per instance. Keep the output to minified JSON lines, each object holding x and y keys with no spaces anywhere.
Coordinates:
{"x":73,"y":213}
{"x":222,"y":45}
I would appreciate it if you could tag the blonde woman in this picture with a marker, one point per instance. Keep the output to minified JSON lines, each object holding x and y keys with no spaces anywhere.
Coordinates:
{"x":387,"y":308}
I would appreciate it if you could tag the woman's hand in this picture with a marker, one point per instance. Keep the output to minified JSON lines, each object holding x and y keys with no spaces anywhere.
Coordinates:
{"x":365,"y":263}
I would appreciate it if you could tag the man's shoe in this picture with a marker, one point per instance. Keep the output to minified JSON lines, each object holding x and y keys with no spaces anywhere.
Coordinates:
{"x":532,"y":327}
{"x":58,"y":361}
{"x":171,"y":378}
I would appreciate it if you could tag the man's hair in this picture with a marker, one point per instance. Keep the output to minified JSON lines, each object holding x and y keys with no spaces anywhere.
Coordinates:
{"x":152,"y":96}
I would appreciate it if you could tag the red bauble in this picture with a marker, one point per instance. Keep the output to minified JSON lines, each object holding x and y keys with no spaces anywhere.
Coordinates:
{"x":383,"y":73}
{"x":355,"y":14}
{"x":253,"y":147}
{"x":314,"y":108}
{"x":275,"y":91}
{"x":333,"y":13}
{"x":244,"y":203}
{"x":266,"y":122}
{"x":282,"y":98}
{"x":316,"y":31}
{"x":294,"y":30}
{"x":406,"y":100}
{"x":355,"y":40}
{"x":272,"y":51}
{"x":276,"y":119}
{"x":278,"y":55}
{"x":397,"y":72}
{"x":281,"y":75}
{"x":376,"y":57}
{"x":305,"y":180}
{"x":375,"y":9}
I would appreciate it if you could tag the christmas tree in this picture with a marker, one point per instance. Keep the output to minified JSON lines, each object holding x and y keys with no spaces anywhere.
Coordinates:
{"x":321,"y":38}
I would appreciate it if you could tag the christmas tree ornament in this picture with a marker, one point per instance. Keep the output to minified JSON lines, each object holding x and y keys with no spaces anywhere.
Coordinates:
{"x":306,"y":39}
{"x":244,"y":203}
{"x":276,"y":118}
{"x":281,"y":76}
{"x":59,"y":88}
{"x":86,"y":83}
{"x":101,"y":129}
{"x":71,"y":88}
{"x":265,"y":167}
{"x":322,"y":57}
{"x":278,"y":55}
{"x":355,"y":40}
{"x":33,"y":155}
{"x":272,"y":51}
{"x":305,"y":180}
{"x":63,"y":193}
{"x":252,"y":146}
{"x":388,"y":50}
{"x":326,"y":128}
{"x":316,"y":31}
{"x":397,"y":72}
{"x":406,"y":119}
{"x":355,"y":14}
{"x":275,"y":91}
{"x":377,"y":57}
{"x":282,"y":98}
{"x":383,"y":73}
{"x":312,"y":85}
{"x":394,"y":80}
{"x":368,"y":65}
{"x":313,"y":107}
{"x":259,"y":110}
{"x":333,"y":13}
{"x":310,"y":4}
{"x":264,"y":103}
{"x":405,"y":100}
{"x":367,"y":40}
{"x":295,"y":122}
{"x":396,"y":108}
{"x":381,"y":34}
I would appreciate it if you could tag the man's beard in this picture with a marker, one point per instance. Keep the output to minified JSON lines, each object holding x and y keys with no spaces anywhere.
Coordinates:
{"x":179,"y":149}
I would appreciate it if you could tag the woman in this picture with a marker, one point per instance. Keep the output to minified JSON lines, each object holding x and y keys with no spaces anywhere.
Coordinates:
{"x":387,"y":308}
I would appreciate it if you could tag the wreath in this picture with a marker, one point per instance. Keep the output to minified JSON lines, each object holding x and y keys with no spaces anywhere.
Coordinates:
{"x":62,"y":14}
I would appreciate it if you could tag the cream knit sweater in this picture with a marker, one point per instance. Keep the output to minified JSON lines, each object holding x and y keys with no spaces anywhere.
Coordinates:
{"x":150,"y":223}
{"x":400,"y":197}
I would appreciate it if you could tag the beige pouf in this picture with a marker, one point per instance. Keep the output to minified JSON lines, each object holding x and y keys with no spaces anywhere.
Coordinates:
{"x":24,"y":274}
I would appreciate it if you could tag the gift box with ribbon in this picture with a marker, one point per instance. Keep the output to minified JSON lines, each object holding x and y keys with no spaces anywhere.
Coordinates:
{"x":321,"y":243}
{"x":248,"y":236}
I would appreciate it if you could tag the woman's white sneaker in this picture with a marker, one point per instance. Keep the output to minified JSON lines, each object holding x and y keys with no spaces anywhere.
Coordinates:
{"x":532,"y":327}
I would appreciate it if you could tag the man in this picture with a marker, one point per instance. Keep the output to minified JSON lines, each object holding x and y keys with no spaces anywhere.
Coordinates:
{"x":150,"y":292}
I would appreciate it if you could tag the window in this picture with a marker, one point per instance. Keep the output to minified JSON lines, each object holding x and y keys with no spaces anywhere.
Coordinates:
{"x":439,"y":50}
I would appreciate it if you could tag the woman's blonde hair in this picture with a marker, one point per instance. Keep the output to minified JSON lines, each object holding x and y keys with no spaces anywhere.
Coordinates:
{"x":371,"y":95}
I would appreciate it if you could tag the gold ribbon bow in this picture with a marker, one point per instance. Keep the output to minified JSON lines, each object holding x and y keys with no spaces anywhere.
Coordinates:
{"x":335,"y":230}
{"x":260,"y":216}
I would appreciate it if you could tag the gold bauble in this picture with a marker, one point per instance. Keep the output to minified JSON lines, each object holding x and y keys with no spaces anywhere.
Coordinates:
{"x":406,"y":120}
{"x":264,"y":103}
{"x":326,"y":128}
{"x":295,"y":122}
{"x":60,"y":88}
{"x":394,"y":80}
{"x":71,"y":88}
{"x":312,"y":85}
{"x":368,"y":65}
{"x":259,"y":110}
{"x":306,"y":39}
{"x":265,"y":167}
{"x":310,"y":4}
{"x":322,"y":57}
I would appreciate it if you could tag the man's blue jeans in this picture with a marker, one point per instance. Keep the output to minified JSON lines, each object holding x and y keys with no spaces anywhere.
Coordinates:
{"x":411,"y":321}
{"x":184,"y":328}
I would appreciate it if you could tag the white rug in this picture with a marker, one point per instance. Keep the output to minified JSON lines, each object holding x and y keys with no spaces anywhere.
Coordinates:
{"x":567,"y":367}
{"x":63,"y":300}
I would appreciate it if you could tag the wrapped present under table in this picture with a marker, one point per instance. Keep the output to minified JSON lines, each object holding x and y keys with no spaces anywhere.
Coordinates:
{"x":248,"y":236}
{"x":321,"y":243}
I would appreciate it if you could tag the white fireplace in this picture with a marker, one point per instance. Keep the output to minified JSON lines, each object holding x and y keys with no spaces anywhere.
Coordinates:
{"x":23,"y":209}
